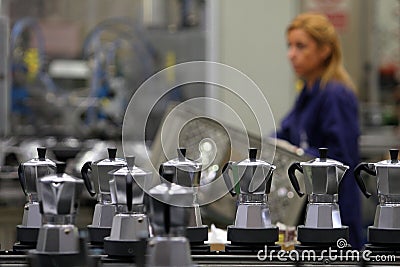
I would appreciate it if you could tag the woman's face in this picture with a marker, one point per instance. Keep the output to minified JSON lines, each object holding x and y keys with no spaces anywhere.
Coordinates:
{"x":305,"y":55}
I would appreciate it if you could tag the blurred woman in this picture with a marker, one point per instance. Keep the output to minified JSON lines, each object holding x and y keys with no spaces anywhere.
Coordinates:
{"x":325,"y":113}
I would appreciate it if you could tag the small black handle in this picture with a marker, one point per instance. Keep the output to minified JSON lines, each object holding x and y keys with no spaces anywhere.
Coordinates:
{"x":394,"y":153}
{"x":129,"y":193}
{"x":293,"y":179}
{"x":181,"y":154}
{"x":130,"y":162}
{"x":60,"y":168}
{"x":41,"y":153}
{"x":21,"y":177}
{"x":227,"y":178}
{"x":112,"y":153}
{"x":357,"y":174}
{"x":253,"y":154}
{"x":86,"y":179}
{"x":161,"y":171}
{"x":268,"y":178}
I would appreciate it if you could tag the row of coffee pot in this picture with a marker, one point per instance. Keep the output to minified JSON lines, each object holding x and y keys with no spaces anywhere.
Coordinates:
{"x":251,"y":179}
{"x":323,"y":223}
{"x":58,"y":200}
{"x":322,"y":227}
{"x":131,"y":230}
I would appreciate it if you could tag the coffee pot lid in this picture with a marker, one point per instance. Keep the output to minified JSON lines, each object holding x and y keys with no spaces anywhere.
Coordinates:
{"x":130,"y":169}
{"x":111,"y":160}
{"x":41,"y":160}
{"x":60,"y":176}
{"x":253,"y":161}
{"x":182,"y":161}
{"x":392,"y":162}
{"x":323,"y":160}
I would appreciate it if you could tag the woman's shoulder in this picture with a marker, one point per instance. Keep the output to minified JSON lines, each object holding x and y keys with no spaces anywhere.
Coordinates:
{"x":337,"y":89}
{"x":337,"y":92}
{"x":335,"y":86}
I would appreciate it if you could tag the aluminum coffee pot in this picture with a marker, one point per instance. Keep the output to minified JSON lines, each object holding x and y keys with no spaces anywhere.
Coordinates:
{"x":253,"y":227}
{"x":387,"y":173}
{"x":323,"y":225}
{"x":386,"y":228}
{"x":321,"y":178}
{"x":29,"y":173}
{"x":119,"y":189}
{"x":130,"y":224}
{"x":104,"y":210}
{"x":169,"y":218}
{"x":100,"y":175}
{"x":59,"y":201}
{"x":188,"y":173}
{"x":252,"y":179}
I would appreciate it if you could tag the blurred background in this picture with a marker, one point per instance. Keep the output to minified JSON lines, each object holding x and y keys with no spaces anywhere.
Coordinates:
{"x":69,"y":68}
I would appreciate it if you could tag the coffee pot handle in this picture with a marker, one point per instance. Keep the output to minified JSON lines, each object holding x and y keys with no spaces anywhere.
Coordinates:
{"x":129,"y":193}
{"x":357,"y":174}
{"x":293,"y":179}
{"x":21,"y":178}
{"x":268,"y":184}
{"x":85,"y":176}
{"x":169,"y":176}
{"x":227,"y":178}
{"x":161,"y":172}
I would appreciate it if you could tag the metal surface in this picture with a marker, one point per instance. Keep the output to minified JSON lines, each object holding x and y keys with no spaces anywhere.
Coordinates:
{"x":126,"y":187}
{"x":101,"y":177}
{"x":129,"y":227}
{"x":186,"y":173}
{"x":59,"y":197}
{"x":58,"y":239}
{"x":172,"y":199}
{"x":29,"y":173}
{"x":325,"y":215}
{"x":169,"y":251}
{"x":118,"y":183}
{"x":387,"y":214}
{"x":254,"y":180}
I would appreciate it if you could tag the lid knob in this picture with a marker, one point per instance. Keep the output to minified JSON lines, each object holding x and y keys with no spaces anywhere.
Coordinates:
{"x":41,"y":153}
{"x":112,"y":152}
{"x":323,"y":153}
{"x":60,"y":167}
{"x":130,"y":162}
{"x":394,"y":153}
{"x":253,"y":154}
{"x":181,"y":153}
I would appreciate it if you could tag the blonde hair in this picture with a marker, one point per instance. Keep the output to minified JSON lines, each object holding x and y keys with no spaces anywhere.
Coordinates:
{"x":323,"y":32}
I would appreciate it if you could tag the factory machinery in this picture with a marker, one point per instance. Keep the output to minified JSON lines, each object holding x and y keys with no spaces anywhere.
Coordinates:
{"x":141,"y":222}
